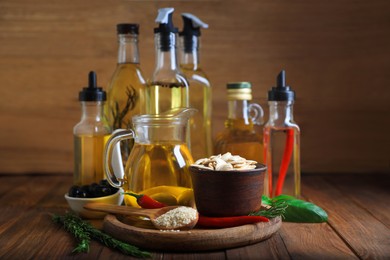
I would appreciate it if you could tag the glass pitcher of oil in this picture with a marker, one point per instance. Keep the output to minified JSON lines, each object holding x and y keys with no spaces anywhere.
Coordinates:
{"x":158,"y":163}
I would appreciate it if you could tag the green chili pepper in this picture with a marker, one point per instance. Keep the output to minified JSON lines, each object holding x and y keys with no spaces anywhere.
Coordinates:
{"x":299,"y":211}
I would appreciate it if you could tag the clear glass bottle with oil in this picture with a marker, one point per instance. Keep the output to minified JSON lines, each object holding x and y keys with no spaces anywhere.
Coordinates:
{"x":282,"y":143}
{"x":90,"y":135}
{"x":125,"y":92}
{"x":240,"y":136}
{"x":168,"y":87}
{"x":199,"y":86}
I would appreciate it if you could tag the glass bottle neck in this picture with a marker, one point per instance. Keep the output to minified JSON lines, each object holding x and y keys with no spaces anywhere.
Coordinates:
{"x":166,"y":54}
{"x":189,"y":57}
{"x":238,"y":115}
{"x":92,"y":110}
{"x":280,"y":112}
{"x":128,"y":48}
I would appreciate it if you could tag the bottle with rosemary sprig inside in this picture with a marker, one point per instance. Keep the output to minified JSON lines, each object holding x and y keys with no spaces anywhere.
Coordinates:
{"x":125,"y":93}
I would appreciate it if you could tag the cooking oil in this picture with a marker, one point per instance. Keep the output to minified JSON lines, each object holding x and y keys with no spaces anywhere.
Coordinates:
{"x":162,"y":97}
{"x":125,"y":96}
{"x":159,"y":164}
{"x":88,"y":155}
{"x":280,"y":159}
{"x":125,"y":92}
{"x":200,"y":124}
{"x":282,"y":142}
{"x":240,"y":136}
{"x":90,"y":135}
{"x":199,"y":86}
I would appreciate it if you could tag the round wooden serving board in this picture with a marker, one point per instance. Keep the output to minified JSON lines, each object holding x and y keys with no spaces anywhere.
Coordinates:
{"x":140,"y":233}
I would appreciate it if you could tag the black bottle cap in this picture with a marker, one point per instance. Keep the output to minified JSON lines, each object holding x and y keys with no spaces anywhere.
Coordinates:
{"x":127,"y":28}
{"x":92,"y":92}
{"x":165,"y":28}
{"x":281,"y":92}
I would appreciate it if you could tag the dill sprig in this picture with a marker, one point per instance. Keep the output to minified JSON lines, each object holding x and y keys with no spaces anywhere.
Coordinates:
{"x":278,"y":208}
{"x":84,"y":231}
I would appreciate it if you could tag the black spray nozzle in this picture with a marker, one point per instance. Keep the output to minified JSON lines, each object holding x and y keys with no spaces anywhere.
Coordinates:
{"x":281,"y":92}
{"x":165,"y":28}
{"x":192,"y":25}
{"x":92,"y":92}
{"x":188,"y":27}
{"x":164,"y":18}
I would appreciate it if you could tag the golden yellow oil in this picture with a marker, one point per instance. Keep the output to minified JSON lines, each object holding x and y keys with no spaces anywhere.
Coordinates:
{"x":200,"y":123}
{"x":125,"y":95}
{"x":88,"y":161}
{"x":155,"y":165}
{"x":240,"y":139}
{"x":161,"y":97}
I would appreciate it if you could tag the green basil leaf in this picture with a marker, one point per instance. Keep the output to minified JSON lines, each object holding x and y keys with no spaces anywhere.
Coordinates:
{"x":266,"y":200}
{"x":284,"y":197}
{"x":304,"y":212}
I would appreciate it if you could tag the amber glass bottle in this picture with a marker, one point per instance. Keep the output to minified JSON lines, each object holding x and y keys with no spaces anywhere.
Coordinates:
{"x":240,"y":136}
{"x":125,"y":92}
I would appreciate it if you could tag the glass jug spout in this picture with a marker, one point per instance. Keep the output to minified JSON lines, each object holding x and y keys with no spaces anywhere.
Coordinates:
{"x":185,"y":113}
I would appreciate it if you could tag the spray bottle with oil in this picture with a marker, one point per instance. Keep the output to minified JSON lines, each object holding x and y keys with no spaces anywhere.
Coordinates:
{"x":199,"y":86}
{"x":168,"y":87}
{"x":282,"y":142}
{"x":90,"y":135}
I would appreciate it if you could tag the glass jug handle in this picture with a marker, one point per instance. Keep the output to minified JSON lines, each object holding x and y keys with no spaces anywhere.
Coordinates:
{"x":113,"y":158}
{"x":256,"y":113}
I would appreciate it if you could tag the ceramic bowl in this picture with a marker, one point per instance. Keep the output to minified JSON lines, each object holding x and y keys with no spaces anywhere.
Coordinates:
{"x":77,"y":204}
{"x":228,"y":193}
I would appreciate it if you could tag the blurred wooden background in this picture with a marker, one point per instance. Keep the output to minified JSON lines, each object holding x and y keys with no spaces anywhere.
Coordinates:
{"x":336,"y":54}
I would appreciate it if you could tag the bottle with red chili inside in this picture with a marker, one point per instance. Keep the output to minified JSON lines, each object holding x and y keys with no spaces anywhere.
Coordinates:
{"x":282,"y":142}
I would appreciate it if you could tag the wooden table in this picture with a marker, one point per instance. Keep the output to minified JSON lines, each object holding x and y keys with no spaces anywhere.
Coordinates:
{"x":358,"y":227}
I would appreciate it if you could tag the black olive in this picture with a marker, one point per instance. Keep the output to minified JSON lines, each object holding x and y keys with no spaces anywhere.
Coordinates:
{"x":93,"y":190}
{"x":104,"y":183}
{"x":105,"y":190}
{"x":86,"y":192}
{"x":114,"y":190}
{"x":77,"y":192}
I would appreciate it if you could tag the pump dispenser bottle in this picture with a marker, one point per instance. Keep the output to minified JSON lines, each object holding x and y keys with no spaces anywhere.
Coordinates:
{"x":282,"y":142}
{"x":90,"y":135}
{"x":168,"y":88}
{"x":125,"y":92}
{"x":240,"y":136}
{"x":199,"y":86}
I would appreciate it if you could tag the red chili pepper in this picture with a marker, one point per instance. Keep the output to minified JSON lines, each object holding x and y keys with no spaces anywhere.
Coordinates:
{"x":146,"y":202}
{"x":225,"y":222}
{"x":288,"y":150}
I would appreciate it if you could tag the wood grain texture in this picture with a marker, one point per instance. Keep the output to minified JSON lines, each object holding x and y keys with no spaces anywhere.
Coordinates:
{"x":192,"y":240}
{"x":337,"y":57}
{"x":354,"y":223}
{"x":355,"y":229}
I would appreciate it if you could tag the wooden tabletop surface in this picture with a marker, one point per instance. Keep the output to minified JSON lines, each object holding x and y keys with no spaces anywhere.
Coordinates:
{"x":358,"y":226}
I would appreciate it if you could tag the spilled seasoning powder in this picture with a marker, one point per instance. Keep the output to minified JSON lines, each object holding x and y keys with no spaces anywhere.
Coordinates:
{"x":176,"y":218}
